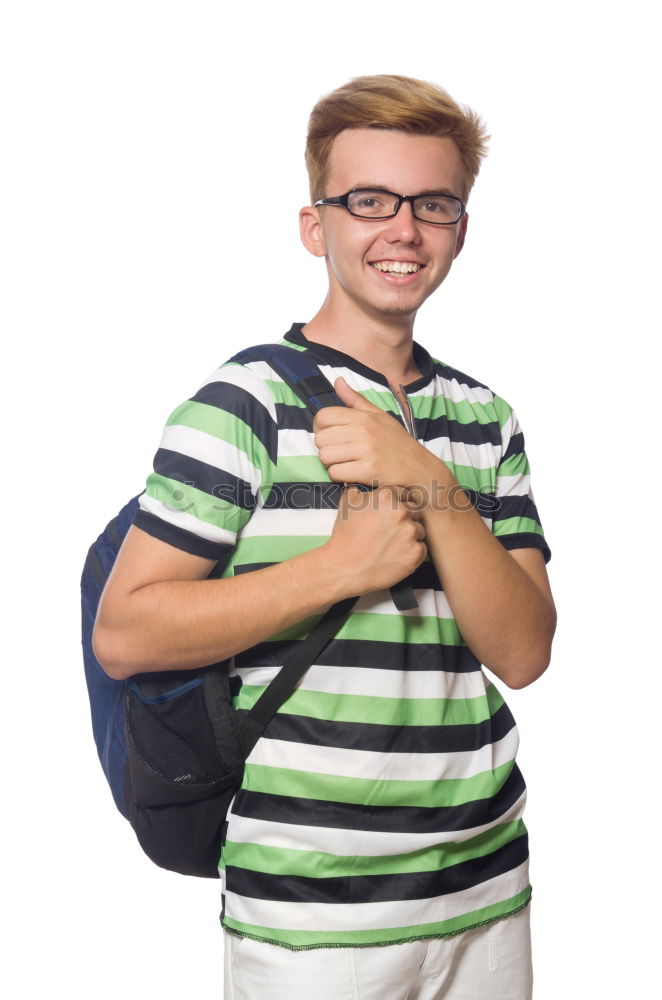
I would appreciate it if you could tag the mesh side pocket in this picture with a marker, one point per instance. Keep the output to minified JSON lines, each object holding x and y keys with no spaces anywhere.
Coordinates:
{"x":173,"y":735}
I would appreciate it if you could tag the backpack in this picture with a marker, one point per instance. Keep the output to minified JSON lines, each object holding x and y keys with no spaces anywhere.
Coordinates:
{"x":170,"y":743}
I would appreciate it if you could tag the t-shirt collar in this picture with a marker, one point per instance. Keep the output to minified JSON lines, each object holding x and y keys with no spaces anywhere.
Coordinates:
{"x":330,"y":356}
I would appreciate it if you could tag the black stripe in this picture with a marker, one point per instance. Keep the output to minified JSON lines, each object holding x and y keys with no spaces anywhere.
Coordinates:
{"x":304,"y":496}
{"x":390,"y":739}
{"x":459,"y":433}
{"x":379,"y":819}
{"x":516,"y":506}
{"x":487,"y":504}
{"x":423,"y":578}
{"x":370,"y":653}
{"x":181,"y":539}
{"x":245,"y":406}
{"x":378,"y":888}
{"x":526,"y":540}
{"x":515,"y":447}
{"x":453,"y":375}
{"x":209,"y":479}
{"x":293,"y":418}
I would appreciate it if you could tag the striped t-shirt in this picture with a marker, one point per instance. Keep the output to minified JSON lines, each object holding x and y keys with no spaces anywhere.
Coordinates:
{"x":383,"y":803}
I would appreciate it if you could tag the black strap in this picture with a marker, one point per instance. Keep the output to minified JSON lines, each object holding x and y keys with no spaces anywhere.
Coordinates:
{"x":403,"y":595}
{"x":287,"y":678}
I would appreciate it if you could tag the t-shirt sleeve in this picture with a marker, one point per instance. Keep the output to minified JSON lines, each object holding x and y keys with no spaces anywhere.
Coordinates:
{"x":516,"y":522}
{"x":214,"y":466}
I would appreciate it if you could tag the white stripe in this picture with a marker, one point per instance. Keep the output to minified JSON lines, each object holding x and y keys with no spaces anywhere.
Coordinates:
{"x":356,"y":381}
{"x":375,"y":916}
{"x":264,"y":370}
{"x":181,"y":519}
{"x":359,"y":843}
{"x":458,"y":392}
{"x":431,"y":604}
{"x":510,"y":428}
{"x":477,"y":456}
{"x":246,"y":379}
{"x":282,"y":523}
{"x":296,"y":443}
{"x":204,"y":447}
{"x":376,"y":766}
{"x":513,"y":486}
{"x":377,"y":683}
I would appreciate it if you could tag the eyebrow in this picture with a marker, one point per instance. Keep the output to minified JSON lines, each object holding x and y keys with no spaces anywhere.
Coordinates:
{"x":418,"y":194}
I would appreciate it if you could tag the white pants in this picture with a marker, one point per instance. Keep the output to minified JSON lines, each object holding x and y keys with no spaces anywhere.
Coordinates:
{"x":487,"y":963}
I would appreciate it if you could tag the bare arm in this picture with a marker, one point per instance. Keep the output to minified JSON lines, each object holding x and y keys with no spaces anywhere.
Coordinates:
{"x":159,"y":612}
{"x":501,"y":600}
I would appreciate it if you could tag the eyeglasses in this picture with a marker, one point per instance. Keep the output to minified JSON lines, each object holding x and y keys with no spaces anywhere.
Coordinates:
{"x":377,"y":203}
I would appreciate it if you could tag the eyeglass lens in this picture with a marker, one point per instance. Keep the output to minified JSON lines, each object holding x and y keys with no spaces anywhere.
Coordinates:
{"x":370,"y":204}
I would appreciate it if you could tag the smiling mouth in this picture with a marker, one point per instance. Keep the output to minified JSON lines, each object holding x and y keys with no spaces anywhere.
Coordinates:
{"x":396,"y":266}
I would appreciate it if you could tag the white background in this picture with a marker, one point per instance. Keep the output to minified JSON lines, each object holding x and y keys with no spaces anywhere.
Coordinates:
{"x":143,"y":142}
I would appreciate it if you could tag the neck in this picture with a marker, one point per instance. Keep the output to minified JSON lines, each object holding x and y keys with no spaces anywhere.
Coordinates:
{"x":383,"y":343}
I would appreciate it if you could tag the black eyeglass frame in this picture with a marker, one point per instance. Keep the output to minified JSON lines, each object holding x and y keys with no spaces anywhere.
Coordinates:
{"x":343,"y":201}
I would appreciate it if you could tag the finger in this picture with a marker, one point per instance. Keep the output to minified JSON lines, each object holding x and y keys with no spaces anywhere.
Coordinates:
{"x":339,"y":434}
{"x":331,"y":416}
{"x":350,"y":472}
{"x":335,"y":454}
{"x":351,"y":397}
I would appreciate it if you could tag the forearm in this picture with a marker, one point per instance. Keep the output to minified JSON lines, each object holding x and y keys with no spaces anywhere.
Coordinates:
{"x":185,"y":624}
{"x":504,"y":616}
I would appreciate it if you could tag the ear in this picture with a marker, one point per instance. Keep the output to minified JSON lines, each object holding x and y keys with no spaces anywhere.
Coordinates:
{"x":310,"y":228}
{"x":461,"y":234}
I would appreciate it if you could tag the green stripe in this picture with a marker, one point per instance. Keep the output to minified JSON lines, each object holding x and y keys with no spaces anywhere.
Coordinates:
{"x":274,"y":548}
{"x":516,"y":526}
{"x":300,"y":469}
{"x":474,"y":479}
{"x":283,"y":393}
{"x":293,"y":347}
{"x":370,"y":708}
{"x":187,"y":499}
{"x":391,"y":935}
{"x":309,"y":469}
{"x":369,"y":625}
{"x":515,"y":465}
{"x":365,"y":791}
{"x":226,"y":427}
{"x":503,"y":410}
{"x":319,"y":864}
{"x":381,"y":711}
{"x":464,"y":412}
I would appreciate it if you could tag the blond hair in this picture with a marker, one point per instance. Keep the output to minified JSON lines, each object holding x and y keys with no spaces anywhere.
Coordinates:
{"x":395,"y":102}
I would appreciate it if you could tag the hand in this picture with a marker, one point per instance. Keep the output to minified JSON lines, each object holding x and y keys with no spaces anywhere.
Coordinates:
{"x":359,"y":443}
{"x":376,"y":541}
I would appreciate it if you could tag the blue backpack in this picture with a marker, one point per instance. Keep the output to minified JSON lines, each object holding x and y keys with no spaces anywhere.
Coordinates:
{"x":170,"y":743}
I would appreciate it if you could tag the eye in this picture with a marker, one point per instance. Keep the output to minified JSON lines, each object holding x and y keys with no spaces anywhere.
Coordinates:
{"x":370,"y":203}
{"x":439,"y":208}
{"x":436,"y":206}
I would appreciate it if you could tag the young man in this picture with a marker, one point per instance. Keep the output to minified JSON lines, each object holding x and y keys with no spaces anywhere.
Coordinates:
{"x":383,"y":806}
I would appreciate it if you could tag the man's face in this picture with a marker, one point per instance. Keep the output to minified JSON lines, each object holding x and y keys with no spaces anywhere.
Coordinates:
{"x":360,"y":252}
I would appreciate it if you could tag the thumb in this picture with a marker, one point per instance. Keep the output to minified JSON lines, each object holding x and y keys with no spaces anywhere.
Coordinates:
{"x":350,"y":397}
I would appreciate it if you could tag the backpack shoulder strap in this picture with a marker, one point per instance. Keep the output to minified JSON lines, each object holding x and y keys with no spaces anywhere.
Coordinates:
{"x":297,"y":370}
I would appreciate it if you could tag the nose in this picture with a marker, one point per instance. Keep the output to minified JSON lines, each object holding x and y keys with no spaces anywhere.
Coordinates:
{"x":403,"y":227}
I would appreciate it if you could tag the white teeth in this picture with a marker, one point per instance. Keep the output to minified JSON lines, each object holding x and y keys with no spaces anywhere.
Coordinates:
{"x":397,"y":266}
